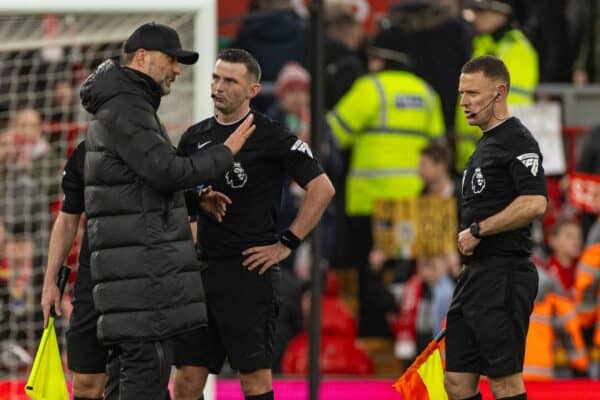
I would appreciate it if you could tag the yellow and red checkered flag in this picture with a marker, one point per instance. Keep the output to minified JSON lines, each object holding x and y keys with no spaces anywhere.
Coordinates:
{"x":424,"y":379}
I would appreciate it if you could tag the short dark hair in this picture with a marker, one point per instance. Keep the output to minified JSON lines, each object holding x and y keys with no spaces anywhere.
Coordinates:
{"x":240,"y":56}
{"x":339,"y":16}
{"x":438,"y":152}
{"x":492,"y":67}
{"x":561,"y":223}
{"x":126,"y":58}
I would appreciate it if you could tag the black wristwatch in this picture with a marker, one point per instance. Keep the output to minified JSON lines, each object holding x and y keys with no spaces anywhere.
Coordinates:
{"x":474,"y":229}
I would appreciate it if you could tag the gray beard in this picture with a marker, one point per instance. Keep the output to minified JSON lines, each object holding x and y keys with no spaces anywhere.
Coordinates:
{"x":164,"y":89}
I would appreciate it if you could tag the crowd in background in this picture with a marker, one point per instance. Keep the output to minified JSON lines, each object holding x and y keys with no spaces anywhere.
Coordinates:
{"x":406,"y":71}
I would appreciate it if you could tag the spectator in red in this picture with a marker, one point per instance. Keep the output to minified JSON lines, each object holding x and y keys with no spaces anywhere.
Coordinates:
{"x":566,"y":245}
{"x":292,"y":91}
{"x":292,"y":109}
{"x":425,"y":301}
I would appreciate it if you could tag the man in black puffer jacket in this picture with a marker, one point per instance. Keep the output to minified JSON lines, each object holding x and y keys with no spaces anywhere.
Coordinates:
{"x":147,"y":283}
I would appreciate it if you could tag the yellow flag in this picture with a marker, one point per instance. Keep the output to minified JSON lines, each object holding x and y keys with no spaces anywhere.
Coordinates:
{"x":424,"y":379}
{"x":47,"y":378}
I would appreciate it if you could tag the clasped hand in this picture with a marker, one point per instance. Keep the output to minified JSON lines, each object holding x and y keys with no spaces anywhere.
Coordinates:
{"x":467,"y":242}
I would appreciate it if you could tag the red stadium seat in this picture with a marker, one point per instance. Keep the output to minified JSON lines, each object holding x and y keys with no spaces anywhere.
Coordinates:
{"x":339,"y":355}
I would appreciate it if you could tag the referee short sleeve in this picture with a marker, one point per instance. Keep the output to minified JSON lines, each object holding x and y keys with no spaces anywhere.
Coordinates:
{"x":296,"y":157}
{"x":72,"y":182}
{"x":528,"y":173}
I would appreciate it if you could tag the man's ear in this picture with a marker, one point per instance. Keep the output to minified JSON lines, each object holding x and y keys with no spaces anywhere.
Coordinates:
{"x":501,"y":90}
{"x":254,"y":90}
{"x":139,"y":58}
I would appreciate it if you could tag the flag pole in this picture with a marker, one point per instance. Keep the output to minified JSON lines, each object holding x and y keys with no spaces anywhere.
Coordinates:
{"x":424,"y":378}
{"x":442,"y":334}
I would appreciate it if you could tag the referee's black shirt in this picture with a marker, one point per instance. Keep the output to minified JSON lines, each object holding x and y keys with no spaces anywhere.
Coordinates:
{"x":73,"y":187}
{"x":506,"y":163}
{"x":254,"y":183}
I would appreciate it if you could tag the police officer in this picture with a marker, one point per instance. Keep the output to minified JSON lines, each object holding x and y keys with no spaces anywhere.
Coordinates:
{"x":503,"y":190}
{"x":385,"y":119}
{"x":241,"y":249}
{"x":497,"y":36}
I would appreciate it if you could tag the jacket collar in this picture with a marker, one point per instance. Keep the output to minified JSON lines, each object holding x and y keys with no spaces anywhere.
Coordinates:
{"x":147,"y":84}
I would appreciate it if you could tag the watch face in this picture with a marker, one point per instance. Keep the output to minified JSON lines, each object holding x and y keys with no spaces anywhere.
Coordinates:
{"x":474,"y":229}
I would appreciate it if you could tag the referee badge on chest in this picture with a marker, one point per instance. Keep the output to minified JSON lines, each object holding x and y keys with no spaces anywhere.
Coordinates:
{"x":236,"y":177}
{"x":477,"y":181}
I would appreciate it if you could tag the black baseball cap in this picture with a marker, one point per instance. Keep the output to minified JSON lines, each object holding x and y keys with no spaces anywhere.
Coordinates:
{"x":153,"y":36}
{"x":500,"y":6}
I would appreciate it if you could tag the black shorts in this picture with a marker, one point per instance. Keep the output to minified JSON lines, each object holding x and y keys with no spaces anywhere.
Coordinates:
{"x":489,"y":316}
{"x":242,"y":311}
{"x":85,"y":353}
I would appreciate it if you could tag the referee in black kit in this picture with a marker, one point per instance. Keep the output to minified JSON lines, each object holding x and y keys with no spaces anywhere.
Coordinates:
{"x":87,"y":357}
{"x":503,"y":189}
{"x":242,"y":251}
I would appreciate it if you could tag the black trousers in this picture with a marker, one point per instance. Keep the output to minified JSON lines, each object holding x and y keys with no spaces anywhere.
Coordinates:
{"x":145,"y":368}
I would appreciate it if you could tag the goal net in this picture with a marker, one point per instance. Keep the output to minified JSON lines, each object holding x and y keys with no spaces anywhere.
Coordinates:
{"x":44,"y":58}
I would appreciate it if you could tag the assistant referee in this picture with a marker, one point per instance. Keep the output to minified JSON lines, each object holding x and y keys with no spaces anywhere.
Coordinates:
{"x":87,"y":357}
{"x":503,"y":190}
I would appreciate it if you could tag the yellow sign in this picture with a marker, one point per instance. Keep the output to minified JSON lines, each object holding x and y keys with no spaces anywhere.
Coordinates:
{"x":407,"y":228}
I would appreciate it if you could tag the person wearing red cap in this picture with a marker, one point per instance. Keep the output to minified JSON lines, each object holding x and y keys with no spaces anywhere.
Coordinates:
{"x":292,"y":90}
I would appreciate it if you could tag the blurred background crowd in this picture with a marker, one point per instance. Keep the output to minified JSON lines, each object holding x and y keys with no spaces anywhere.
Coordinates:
{"x":393,"y":132}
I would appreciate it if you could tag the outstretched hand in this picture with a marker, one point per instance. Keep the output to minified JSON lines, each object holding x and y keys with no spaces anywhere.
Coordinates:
{"x":214,"y":203}
{"x":238,"y":138}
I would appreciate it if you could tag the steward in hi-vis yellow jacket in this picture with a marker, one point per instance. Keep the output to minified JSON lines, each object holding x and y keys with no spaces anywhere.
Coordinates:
{"x":386,"y":118}
{"x":514,"y":49}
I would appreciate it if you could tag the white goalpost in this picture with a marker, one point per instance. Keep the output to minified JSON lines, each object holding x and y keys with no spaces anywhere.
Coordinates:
{"x":47,"y":48}
{"x":203,"y":14}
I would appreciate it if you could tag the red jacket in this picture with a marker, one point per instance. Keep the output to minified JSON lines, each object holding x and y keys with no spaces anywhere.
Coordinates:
{"x":565,"y":274}
{"x":405,"y":326}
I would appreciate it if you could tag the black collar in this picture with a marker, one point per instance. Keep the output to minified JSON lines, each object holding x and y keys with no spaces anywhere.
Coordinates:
{"x":150,"y":86}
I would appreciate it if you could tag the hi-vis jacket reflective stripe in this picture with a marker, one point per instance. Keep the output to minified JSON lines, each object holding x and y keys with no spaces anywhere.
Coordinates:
{"x":522,"y":62}
{"x":553,"y":315}
{"x":386,"y":118}
{"x":587,"y":290}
